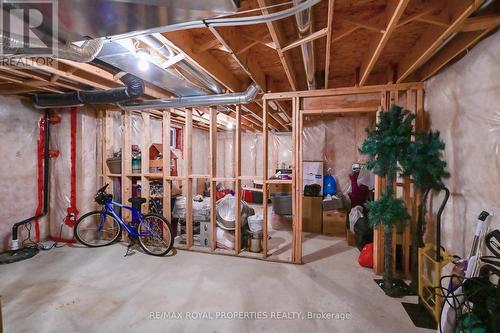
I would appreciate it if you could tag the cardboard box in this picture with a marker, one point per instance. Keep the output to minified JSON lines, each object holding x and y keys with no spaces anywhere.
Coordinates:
{"x":334,"y":223}
{"x":351,"y":240}
{"x":312,"y":214}
{"x":313,"y":174}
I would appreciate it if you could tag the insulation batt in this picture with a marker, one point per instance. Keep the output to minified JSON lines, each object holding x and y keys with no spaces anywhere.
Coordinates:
{"x":86,"y":168}
{"x":335,"y":141}
{"x":464,"y":105}
{"x":19,"y":125}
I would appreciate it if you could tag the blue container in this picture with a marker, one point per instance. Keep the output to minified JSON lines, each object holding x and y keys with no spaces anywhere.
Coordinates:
{"x":329,"y":184}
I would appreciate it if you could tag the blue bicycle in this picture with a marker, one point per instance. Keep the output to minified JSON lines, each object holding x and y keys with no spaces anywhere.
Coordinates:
{"x":103,"y":227}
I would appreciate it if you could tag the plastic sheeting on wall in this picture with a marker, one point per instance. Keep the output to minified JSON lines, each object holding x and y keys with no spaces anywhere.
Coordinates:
{"x":86,"y":169}
{"x":225,"y":154}
{"x":19,"y":125}
{"x":335,"y":141}
{"x":463,"y":103}
{"x":279,"y":151}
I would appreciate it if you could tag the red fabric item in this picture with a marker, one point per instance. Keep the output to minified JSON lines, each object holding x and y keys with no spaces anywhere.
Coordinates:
{"x":366,"y":256}
{"x":358,"y":194}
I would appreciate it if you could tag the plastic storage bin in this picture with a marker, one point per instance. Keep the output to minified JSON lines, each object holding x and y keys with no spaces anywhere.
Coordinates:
{"x":282,"y":203}
{"x":114,"y":165}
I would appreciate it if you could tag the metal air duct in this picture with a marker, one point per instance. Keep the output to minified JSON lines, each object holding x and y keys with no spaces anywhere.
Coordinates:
{"x":304,"y":26}
{"x":85,"y":53}
{"x":194,"y":74}
{"x":207,"y":100}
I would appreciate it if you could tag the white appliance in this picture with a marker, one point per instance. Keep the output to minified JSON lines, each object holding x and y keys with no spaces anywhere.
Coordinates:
{"x":313,"y":174}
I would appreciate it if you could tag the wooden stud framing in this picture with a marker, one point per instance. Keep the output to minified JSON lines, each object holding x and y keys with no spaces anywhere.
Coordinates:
{"x":395,"y":10}
{"x":328,"y":41}
{"x":265,"y":150}
{"x":213,"y":175}
{"x":388,"y":92}
{"x":315,"y":35}
{"x":126,"y":162}
{"x":145,"y":144}
{"x":188,"y":168}
{"x":434,"y":37}
{"x":167,"y":185}
{"x":237,"y":186}
{"x":277,"y":37}
{"x":455,"y":47}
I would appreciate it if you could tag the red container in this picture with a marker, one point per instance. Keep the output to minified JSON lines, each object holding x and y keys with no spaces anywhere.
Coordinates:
{"x":247,"y":196}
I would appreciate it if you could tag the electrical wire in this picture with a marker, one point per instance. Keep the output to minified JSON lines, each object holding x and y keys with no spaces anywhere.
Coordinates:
{"x":459,"y":306}
{"x":29,"y":243}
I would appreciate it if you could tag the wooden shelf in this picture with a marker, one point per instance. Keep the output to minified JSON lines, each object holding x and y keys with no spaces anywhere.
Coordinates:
{"x":279,"y":181}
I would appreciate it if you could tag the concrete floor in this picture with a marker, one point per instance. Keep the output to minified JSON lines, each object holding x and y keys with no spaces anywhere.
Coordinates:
{"x":75,"y":289}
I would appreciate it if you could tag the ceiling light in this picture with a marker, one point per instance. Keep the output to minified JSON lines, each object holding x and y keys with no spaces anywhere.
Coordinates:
{"x":144,"y":57}
{"x":230,"y":126}
{"x":143,"y":65}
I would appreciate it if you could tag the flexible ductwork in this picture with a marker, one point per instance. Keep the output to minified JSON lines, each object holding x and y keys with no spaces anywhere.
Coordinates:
{"x":85,"y":53}
{"x":223,"y":22}
{"x":304,"y":26}
{"x":179,"y":102}
{"x":134,"y":88}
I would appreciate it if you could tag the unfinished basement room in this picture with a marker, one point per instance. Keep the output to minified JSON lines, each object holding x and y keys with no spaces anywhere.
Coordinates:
{"x":250,"y":166}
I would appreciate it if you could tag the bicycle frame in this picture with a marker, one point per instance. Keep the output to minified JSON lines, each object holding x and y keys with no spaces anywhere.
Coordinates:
{"x":136,"y":218}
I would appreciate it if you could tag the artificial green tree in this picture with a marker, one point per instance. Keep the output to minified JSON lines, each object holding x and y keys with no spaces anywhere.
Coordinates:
{"x":387,"y":147}
{"x":426,"y":166}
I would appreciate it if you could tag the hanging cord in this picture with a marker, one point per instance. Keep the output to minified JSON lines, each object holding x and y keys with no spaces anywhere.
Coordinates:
{"x":28,"y":242}
{"x":459,"y":307}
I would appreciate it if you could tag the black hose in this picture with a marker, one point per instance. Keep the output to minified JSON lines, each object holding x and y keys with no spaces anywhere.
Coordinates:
{"x":46,"y":157}
{"x":134,"y":88}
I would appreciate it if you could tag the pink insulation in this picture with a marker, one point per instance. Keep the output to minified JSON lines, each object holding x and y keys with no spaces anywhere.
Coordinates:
{"x":464,"y":104}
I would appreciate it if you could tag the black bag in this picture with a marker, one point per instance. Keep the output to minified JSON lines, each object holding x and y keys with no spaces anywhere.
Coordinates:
{"x":312,"y":190}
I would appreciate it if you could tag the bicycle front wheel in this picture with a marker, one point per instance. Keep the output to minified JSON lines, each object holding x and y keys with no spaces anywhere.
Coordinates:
{"x":155,"y":235}
{"x":96,"y":229}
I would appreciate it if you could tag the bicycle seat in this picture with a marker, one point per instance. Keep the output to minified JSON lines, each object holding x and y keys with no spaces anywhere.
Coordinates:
{"x":137,"y":200}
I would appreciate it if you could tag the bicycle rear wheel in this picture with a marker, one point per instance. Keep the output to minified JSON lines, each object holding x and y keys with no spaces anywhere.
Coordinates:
{"x":155,"y":235}
{"x":95,"y":231}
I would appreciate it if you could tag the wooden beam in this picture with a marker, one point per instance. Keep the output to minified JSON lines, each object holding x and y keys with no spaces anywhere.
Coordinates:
{"x":428,"y":9}
{"x":367,"y":24}
{"x":343,"y":91}
{"x":183,"y":40}
{"x":231,"y":39}
{"x":16,"y":88}
{"x":485,"y":22}
{"x":112,"y":80}
{"x":237,"y":174}
{"x":278,"y":39}
{"x":328,"y":41}
{"x":315,"y":35}
{"x":247,"y":47}
{"x":344,"y":33}
{"x":206,"y":46}
{"x":434,"y":36}
{"x":188,"y":169}
{"x":456,"y":46}
{"x":436,"y":20}
{"x":394,"y":11}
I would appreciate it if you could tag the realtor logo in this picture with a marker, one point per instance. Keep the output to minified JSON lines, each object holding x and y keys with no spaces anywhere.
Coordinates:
{"x":29,"y":27}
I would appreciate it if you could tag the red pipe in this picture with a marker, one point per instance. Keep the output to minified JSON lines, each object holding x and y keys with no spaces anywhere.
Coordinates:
{"x":72,"y":211}
{"x":40,"y":154}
